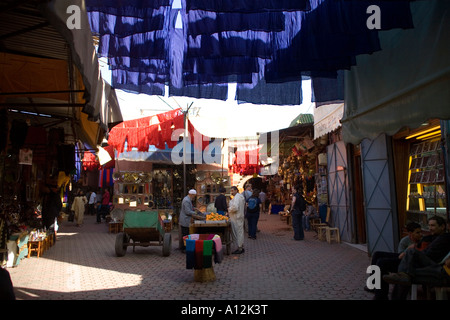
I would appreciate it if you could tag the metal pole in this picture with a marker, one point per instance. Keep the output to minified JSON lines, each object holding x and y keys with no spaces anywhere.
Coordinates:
{"x":184,"y":154}
{"x":184,"y":147}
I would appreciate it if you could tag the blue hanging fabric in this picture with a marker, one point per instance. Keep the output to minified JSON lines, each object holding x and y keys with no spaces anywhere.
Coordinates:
{"x":182,"y":82}
{"x":265,"y":46}
{"x":328,"y":89}
{"x":331,"y":35}
{"x":207,"y":22}
{"x":248,"y":5}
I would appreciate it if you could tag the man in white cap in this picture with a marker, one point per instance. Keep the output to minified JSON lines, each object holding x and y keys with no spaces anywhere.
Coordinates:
{"x":186,"y":212}
{"x":236,"y":212}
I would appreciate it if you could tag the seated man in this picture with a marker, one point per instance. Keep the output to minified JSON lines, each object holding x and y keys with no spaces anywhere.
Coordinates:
{"x":427,"y":261}
{"x":413,"y":239}
{"x":310,"y":213}
{"x":436,"y":250}
{"x":414,"y":236}
{"x":432,"y":274}
{"x":392,"y":259}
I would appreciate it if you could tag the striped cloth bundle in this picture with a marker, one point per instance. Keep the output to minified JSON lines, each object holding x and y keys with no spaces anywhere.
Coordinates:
{"x":200,"y":248}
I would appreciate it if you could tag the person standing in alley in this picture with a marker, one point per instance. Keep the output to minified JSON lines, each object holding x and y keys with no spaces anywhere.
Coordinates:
{"x":104,"y":207}
{"x":51,"y":206}
{"x":298,"y":206}
{"x":236,"y":213}
{"x":78,"y":206}
{"x":253,"y":210}
{"x":248,"y":191}
{"x":92,"y":202}
{"x":221,"y":202}
{"x":263,"y":198}
{"x":186,"y":213}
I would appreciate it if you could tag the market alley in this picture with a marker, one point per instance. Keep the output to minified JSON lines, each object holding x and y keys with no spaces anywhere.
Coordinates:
{"x":82,"y":265}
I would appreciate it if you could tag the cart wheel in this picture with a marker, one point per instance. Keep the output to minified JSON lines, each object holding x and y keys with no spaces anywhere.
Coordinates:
{"x":167,"y":244}
{"x":121,"y":248}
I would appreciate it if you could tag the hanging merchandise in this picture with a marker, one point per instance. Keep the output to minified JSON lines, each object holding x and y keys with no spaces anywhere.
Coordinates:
{"x":159,"y":131}
{"x":26,"y":157}
{"x":90,"y":161}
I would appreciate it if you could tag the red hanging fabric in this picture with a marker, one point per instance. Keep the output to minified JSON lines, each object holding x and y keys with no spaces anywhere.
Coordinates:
{"x":89,"y":161}
{"x":155,"y":130}
{"x":250,"y":165}
{"x":140,"y":133}
{"x":194,"y":134}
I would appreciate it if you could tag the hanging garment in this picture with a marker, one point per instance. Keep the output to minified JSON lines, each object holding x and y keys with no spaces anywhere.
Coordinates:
{"x":190,"y":254}
{"x":248,"y":5}
{"x":218,"y":249}
{"x":327,"y":90}
{"x":208,"y":22}
{"x":224,"y":41}
{"x":207,"y":253}
{"x":198,"y":254}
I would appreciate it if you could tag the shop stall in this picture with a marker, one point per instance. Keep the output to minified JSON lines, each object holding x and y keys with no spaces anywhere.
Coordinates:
{"x":221,"y":228}
{"x":423,"y":186}
{"x":152,"y":170}
{"x":207,"y":185}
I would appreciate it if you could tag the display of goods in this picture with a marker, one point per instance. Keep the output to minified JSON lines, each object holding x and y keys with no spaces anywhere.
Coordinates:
{"x":215,"y":217}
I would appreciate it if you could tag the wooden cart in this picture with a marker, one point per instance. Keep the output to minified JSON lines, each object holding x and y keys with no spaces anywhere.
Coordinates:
{"x":222,"y":228}
{"x":143,"y":228}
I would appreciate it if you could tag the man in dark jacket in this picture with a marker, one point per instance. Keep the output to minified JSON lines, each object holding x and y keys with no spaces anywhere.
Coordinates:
{"x":221,"y":202}
{"x":51,"y":206}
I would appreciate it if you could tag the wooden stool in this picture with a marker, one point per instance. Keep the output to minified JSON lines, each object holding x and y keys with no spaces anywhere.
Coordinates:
{"x":315,"y":223}
{"x":35,"y":246}
{"x":44,"y":244}
{"x":322,"y":232}
{"x":333,"y":234}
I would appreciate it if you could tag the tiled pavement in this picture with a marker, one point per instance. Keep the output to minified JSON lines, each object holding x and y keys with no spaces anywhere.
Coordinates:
{"x":82,"y":265}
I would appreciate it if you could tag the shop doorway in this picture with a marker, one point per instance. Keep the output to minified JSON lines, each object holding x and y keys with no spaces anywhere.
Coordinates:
{"x":379,"y":196}
{"x":338,"y":185}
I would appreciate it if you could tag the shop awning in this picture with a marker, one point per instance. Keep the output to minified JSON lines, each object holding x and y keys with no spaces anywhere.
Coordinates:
{"x":327,"y":118}
{"x":35,"y":37}
{"x":39,"y":87}
{"x":407,"y":82}
{"x":101,"y":101}
{"x":174,"y":155}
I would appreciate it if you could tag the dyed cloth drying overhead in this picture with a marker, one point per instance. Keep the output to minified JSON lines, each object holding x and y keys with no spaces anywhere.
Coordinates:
{"x":196,"y":47}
